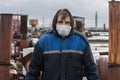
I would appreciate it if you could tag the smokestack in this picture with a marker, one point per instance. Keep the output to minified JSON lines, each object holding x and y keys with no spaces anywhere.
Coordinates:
{"x":96,"y":19}
{"x":104,"y":27}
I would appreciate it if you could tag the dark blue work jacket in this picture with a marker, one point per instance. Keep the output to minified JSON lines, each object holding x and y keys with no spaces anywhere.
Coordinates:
{"x":62,"y":59}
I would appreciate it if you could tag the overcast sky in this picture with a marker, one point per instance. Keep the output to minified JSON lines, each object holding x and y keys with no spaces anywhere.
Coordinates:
{"x":37,"y":9}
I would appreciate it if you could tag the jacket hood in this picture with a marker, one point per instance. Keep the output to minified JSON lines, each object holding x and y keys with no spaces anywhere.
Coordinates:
{"x":55,"y":21}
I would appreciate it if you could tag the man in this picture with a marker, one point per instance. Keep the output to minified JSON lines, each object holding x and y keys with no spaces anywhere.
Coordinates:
{"x":62,"y":54}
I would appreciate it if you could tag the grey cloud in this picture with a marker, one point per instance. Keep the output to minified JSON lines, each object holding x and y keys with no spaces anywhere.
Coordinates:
{"x":47,"y":8}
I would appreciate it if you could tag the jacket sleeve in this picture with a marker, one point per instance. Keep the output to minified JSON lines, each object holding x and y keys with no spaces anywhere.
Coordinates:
{"x":90,"y":68}
{"x":36,"y":64}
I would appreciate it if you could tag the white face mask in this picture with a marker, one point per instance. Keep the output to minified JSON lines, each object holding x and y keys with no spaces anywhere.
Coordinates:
{"x":63,"y":30}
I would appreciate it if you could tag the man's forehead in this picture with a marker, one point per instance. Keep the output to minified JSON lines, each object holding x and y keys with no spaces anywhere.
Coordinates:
{"x":61,"y":18}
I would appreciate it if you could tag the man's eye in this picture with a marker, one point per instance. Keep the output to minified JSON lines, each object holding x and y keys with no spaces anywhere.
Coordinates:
{"x":67,"y":22}
{"x":60,"y":22}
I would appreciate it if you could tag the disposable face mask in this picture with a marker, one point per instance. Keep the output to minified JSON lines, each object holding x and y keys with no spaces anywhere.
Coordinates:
{"x":63,"y":30}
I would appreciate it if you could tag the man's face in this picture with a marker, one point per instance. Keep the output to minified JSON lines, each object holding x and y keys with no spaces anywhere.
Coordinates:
{"x":65,"y":21}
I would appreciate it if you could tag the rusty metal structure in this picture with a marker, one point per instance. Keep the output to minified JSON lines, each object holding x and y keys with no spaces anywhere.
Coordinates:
{"x":79,"y":23}
{"x":20,"y":44}
{"x":6,"y":30}
{"x":16,"y":25}
{"x":23,"y":41}
{"x":23,"y":38}
{"x":114,"y":33}
{"x":114,"y":40}
{"x":109,"y":66}
{"x":33,"y":22}
{"x":5,"y":45}
{"x":102,"y":65}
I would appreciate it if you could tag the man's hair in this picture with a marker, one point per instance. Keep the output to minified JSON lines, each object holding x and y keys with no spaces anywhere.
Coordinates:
{"x":65,"y":13}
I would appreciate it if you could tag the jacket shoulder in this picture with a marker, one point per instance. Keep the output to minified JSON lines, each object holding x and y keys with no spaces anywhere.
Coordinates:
{"x":46,"y":34}
{"x":82,"y":36}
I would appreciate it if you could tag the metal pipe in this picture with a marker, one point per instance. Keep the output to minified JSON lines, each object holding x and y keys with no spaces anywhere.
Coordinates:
{"x":5,"y":44}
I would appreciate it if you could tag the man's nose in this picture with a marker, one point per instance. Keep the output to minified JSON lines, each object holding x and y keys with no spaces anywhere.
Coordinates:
{"x":63,"y":23}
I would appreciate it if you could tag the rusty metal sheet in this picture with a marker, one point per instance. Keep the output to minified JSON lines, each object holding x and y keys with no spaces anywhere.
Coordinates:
{"x":23,"y":43}
{"x":102,"y":65}
{"x":4,"y":72}
{"x":114,"y":73}
{"x":114,"y":31}
{"x":5,"y":37}
{"x":23,"y":25}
